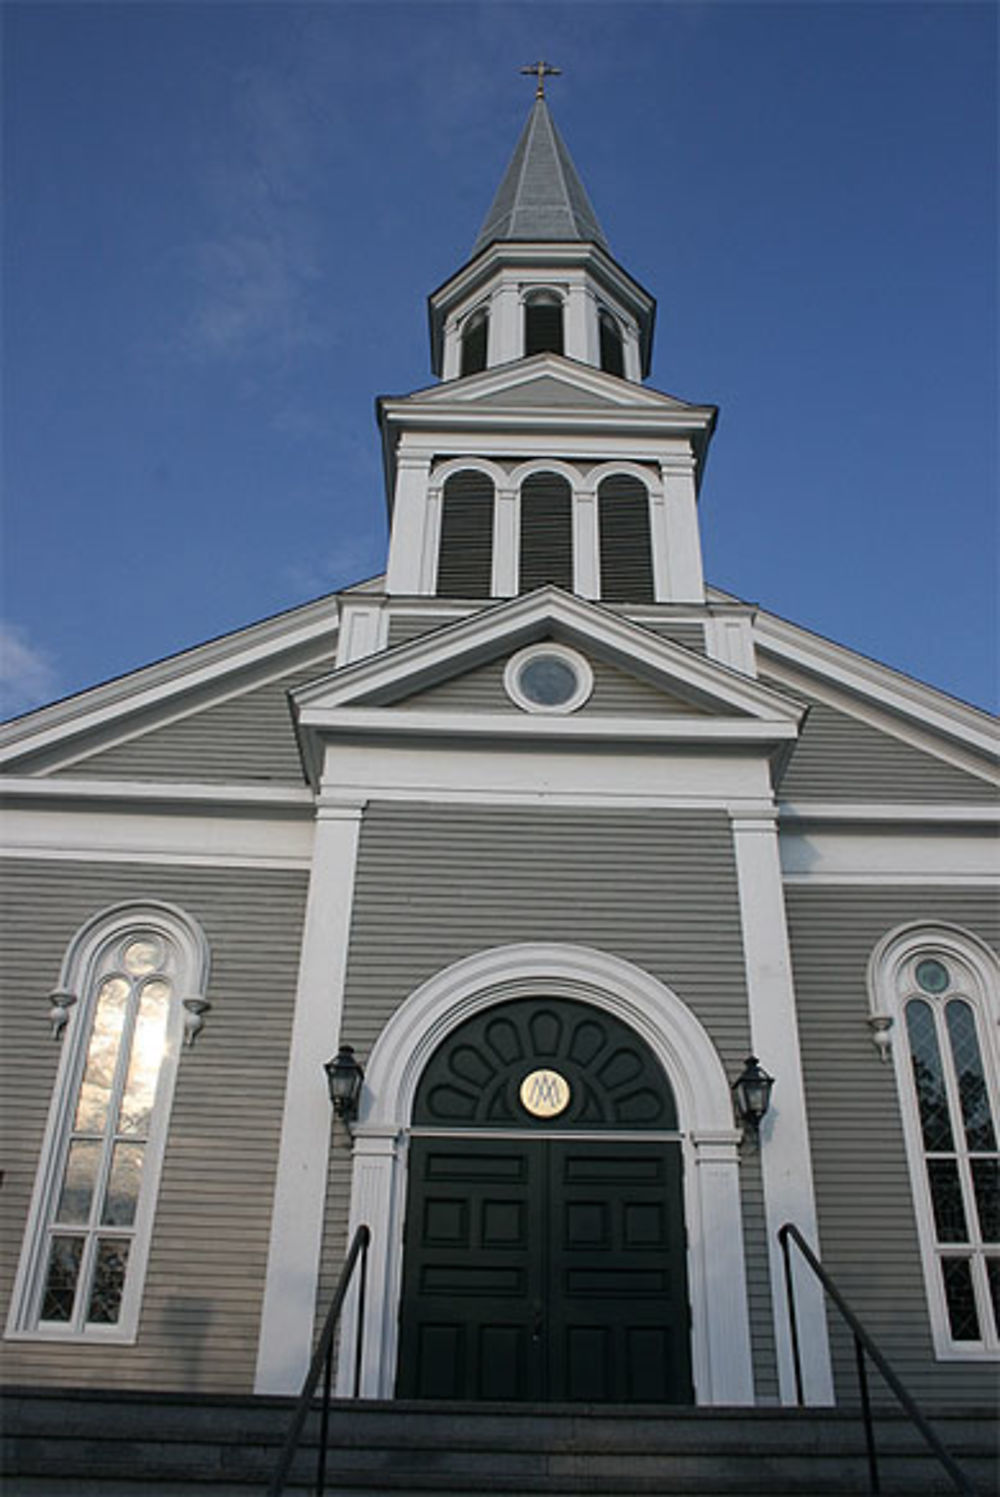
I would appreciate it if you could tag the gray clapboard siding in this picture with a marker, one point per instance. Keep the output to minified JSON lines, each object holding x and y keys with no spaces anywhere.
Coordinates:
{"x":616,"y":693}
{"x":412,"y":626}
{"x":201,"y":1307}
{"x":838,"y":757}
{"x":249,"y":738}
{"x":866,"y":1219}
{"x":658,"y":888}
{"x":680,"y":632}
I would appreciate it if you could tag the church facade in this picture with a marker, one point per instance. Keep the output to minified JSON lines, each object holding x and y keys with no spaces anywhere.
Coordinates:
{"x":554,"y":836}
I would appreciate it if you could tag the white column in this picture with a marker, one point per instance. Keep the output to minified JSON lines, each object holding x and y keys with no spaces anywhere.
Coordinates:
{"x":586,"y":543}
{"x":580,"y":326}
{"x":409,"y":517}
{"x":786,"y":1161}
{"x":505,"y":339}
{"x":633,"y":356}
{"x":506,"y":543}
{"x":286,"y":1328}
{"x":724,"y":1366}
{"x":681,"y":541}
{"x":374,"y":1197}
{"x":452,"y":352}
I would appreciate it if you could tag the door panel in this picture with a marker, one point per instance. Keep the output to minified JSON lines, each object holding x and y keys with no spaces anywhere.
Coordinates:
{"x":544,"y":1269}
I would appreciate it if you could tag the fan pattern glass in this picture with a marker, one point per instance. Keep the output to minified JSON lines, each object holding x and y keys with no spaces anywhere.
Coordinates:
{"x":102,"y":1166}
{"x":959,"y":1134}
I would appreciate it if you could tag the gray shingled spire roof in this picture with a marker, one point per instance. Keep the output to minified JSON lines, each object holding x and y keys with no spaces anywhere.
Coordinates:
{"x":541,"y":196}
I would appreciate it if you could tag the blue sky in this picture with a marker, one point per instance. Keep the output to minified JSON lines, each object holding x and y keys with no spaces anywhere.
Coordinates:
{"x":222,"y":221}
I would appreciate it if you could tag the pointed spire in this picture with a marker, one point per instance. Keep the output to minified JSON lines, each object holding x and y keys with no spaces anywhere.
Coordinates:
{"x":541,"y":195}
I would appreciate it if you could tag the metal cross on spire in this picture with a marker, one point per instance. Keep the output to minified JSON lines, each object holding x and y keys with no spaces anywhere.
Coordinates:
{"x":541,"y":70}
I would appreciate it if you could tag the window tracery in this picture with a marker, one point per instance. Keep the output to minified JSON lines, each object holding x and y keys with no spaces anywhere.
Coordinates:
{"x":133,"y":976}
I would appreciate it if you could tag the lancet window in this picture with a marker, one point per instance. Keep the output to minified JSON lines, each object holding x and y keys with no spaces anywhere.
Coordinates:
{"x":121,"y":1002}
{"x":939,"y":989}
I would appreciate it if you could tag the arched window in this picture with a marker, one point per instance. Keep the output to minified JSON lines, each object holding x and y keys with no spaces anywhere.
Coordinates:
{"x":130,"y":985}
{"x":546,"y":532}
{"x":543,"y":323}
{"x":465,"y":557}
{"x":475,"y":332}
{"x":623,"y":529}
{"x":612,"y":349}
{"x":939,"y":990}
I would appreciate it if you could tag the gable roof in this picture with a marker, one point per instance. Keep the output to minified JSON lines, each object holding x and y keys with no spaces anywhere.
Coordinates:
{"x":361,"y":698}
{"x":541,"y":196}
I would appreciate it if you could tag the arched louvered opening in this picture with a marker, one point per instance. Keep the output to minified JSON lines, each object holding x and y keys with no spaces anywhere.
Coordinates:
{"x":626,"y":551}
{"x":543,"y":324}
{"x":612,"y":349}
{"x":474,"y":336}
{"x":546,"y":532}
{"x":465,"y":557}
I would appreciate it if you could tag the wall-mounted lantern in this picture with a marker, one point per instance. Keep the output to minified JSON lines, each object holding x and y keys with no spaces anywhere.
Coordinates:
{"x":752,"y":1094}
{"x":344,"y":1077}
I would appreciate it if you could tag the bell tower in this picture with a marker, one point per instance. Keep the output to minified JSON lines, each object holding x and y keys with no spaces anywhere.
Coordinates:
{"x":540,"y":458}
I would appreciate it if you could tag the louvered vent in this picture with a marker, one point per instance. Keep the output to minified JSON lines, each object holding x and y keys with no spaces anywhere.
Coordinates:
{"x":546,"y":532}
{"x":626,"y":554}
{"x":465,"y":559}
{"x":543,"y":328}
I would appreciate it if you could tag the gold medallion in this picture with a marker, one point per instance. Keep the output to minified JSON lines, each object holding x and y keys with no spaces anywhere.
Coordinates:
{"x":545,"y":1094}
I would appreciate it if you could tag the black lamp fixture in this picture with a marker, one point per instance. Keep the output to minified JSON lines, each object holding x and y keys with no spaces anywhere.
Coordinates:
{"x":752,"y":1091}
{"x":344,"y":1077}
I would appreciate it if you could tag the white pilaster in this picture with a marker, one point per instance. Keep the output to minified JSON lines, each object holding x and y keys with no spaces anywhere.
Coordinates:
{"x":725,"y":1336}
{"x":286,"y":1329}
{"x":364,"y":627}
{"x":685,"y":580}
{"x":730,"y":640}
{"x":580,"y":321}
{"x":586,"y":544}
{"x":374,"y":1203}
{"x":786,"y":1162}
{"x":505,"y":338}
{"x":633,"y":357}
{"x":407,"y":544}
{"x":451,"y":361}
{"x":506,"y":543}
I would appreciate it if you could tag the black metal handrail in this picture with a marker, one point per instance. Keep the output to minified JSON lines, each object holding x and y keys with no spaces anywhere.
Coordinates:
{"x":863,"y":1345}
{"x":323,"y":1362}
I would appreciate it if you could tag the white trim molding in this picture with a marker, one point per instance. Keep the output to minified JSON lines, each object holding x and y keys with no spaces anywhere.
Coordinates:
{"x":292,"y":1276}
{"x":721,"y":1351}
{"x":786,"y":1163}
{"x":965,"y":1125}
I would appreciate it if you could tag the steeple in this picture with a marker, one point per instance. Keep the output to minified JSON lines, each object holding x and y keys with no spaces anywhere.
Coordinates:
{"x":541,"y":278}
{"x":541,"y":196}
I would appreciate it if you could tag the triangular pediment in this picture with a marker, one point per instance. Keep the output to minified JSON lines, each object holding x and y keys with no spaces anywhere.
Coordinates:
{"x":546,"y":380}
{"x":642,"y":686}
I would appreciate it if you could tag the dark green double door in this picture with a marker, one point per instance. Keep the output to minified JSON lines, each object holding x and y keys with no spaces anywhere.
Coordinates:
{"x":544,"y":1269}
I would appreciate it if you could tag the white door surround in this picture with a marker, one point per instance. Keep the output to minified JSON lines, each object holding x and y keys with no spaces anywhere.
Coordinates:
{"x":720,"y":1334}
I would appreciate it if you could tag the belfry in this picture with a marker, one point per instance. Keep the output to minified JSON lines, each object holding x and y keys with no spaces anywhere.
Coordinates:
{"x":625,"y":923}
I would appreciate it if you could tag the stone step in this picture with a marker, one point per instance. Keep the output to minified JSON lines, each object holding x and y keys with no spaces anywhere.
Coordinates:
{"x":117,"y":1444}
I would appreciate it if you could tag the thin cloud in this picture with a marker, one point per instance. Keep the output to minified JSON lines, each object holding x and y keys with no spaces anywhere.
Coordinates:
{"x":253,"y":278}
{"x":27,"y":674}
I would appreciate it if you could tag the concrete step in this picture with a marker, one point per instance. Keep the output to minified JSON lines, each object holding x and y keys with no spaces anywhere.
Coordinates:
{"x":116,"y":1444}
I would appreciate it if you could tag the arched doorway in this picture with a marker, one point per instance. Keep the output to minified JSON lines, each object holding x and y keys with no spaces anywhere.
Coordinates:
{"x":720,"y":1331}
{"x":544,"y":1244}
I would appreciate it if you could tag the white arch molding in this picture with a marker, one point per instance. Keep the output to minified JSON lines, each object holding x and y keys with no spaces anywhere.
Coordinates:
{"x":720,"y":1332}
